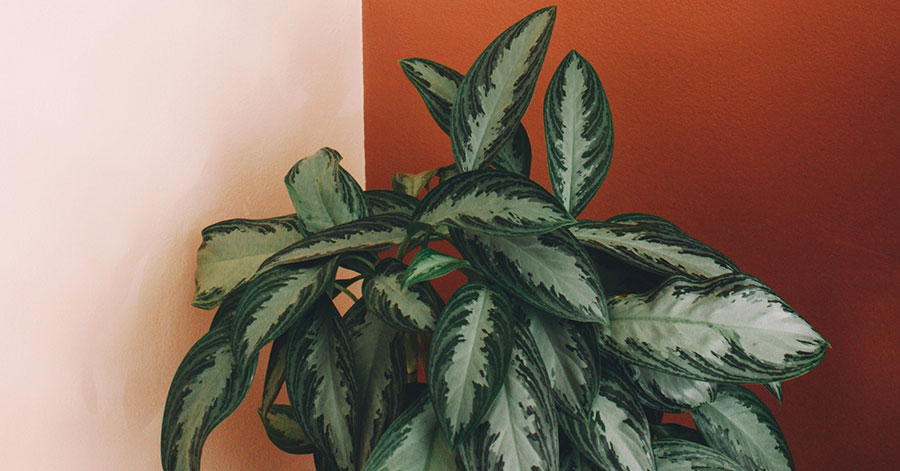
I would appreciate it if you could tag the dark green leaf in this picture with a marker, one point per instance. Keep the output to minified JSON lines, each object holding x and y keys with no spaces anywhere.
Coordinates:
{"x":284,"y":431}
{"x":386,"y":201}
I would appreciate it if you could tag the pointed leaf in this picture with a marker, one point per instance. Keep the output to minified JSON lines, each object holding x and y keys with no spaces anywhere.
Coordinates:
{"x":323,"y":193}
{"x":284,"y":431}
{"x":774,"y":388}
{"x":380,"y":372}
{"x":375,"y":233}
{"x":320,"y":381}
{"x":386,"y":201}
{"x":470,"y":353}
{"x":549,"y":271}
{"x":232,"y":250}
{"x":738,"y":424}
{"x":681,"y":455}
{"x":579,"y":132}
{"x":226,"y":311}
{"x":413,"y":442}
{"x":493,"y":96}
{"x":521,"y":429}
{"x":414,"y":308}
{"x":412,"y":183}
{"x":275,"y":371}
{"x":208,"y":386}
{"x":274,"y":301}
{"x":493,"y":202}
{"x":429,"y":264}
{"x":668,"y":392}
{"x":730,"y":328}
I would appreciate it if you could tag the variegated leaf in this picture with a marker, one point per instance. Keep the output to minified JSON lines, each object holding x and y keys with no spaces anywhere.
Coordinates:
{"x":386,"y":201}
{"x":516,"y":155}
{"x":207,"y":387}
{"x":429,"y":264}
{"x":731,"y":328}
{"x":668,"y":392}
{"x":414,"y":308}
{"x":375,"y":233}
{"x":413,"y":442}
{"x":493,"y":202}
{"x":380,"y":372}
{"x":320,"y":381}
{"x":521,"y":429}
{"x":676,"y":431}
{"x":323,"y":193}
{"x":569,"y":353}
{"x":579,"y":132}
{"x":575,"y":461}
{"x":273,"y":301}
{"x":775,"y":388}
{"x":470,"y":353}
{"x":493,"y":96}
{"x":275,"y":371}
{"x":412,"y":183}
{"x":656,"y":247}
{"x":550,"y":271}
{"x":614,"y":434}
{"x":284,"y":431}
{"x":226,"y":311}
{"x":682,"y":455}
{"x":232,"y":250}
{"x":738,"y":424}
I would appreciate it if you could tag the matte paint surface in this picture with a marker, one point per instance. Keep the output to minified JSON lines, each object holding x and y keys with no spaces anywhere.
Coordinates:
{"x":767,"y":129}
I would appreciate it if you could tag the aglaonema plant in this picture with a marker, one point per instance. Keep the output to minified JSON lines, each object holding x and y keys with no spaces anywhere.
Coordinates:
{"x":563,"y":349}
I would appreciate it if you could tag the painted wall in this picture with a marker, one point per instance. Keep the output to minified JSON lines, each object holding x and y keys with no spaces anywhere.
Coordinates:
{"x":767,"y":129}
{"x":125,"y":128}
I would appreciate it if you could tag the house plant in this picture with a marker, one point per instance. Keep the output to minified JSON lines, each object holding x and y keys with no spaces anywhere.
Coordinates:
{"x":562,"y":350}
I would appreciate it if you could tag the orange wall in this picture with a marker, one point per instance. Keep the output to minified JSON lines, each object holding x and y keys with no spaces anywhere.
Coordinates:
{"x":767,"y":129}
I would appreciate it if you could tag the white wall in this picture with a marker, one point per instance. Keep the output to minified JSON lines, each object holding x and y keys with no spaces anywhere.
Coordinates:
{"x":126,"y":127}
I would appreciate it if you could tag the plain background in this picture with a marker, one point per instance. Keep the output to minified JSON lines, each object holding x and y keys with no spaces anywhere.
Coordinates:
{"x":768,"y":129}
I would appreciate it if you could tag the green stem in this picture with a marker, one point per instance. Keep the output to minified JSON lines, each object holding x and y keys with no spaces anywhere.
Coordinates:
{"x":346,"y":291}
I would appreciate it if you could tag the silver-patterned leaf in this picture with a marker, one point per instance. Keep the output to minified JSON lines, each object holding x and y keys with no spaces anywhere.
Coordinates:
{"x":273,"y":301}
{"x":413,"y":442}
{"x":579,"y":132}
{"x":469,"y":357}
{"x":232,"y":250}
{"x":415,"y":307}
{"x":668,"y":392}
{"x":614,"y":434}
{"x":738,"y":424}
{"x":284,"y":431}
{"x":380,"y":372}
{"x":521,"y":429}
{"x":775,"y":388}
{"x":496,"y":91}
{"x":323,"y":193}
{"x":429,"y":264}
{"x":550,"y":271}
{"x":320,"y":382}
{"x":731,"y":328}
{"x":654,"y":246}
{"x":493,"y":202}
{"x":569,"y":353}
{"x":226,"y":311}
{"x":682,"y":455}
{"x":386,"y":201}
{"x":208,"y":386}
{"x":374,"y":233}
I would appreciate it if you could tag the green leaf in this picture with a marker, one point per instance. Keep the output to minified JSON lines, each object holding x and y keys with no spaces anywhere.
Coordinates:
{"x":323,"y":193}
{"x":412,"y":184}
{"x":614,"y":434}
{"x":668,"y":392}
{"x":386,"y":201}
{"x":208,"y":386}
{"x":493,"y":96}
{"x":579,"y":132}
{"x":225,"y":312}
{"x":569,"y":353}
{"x":550,"y":271}
{"x":413,"y":442}
{"x":414,"y":308}
{"x":774,"y":388}
{"x":575,"y":461}
{"x":470,"y":353}
{"x":654,"y":246}
{"x":375,"y":233}
{"x":680,"y":432}
{"x":738,"y":424}
{"x":493,"y":202}
{"x":275,"y":370}
{"x":731,"y":328}
{"x":232,"y":250}
{"x":429,"y":264}
{"x":681,"y":455}
{"x":284,"y":431}
{"x":520,"y":430}
{"x":380,"y":371}
{"x":320,"y":381}
{"x":273,"y":301}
